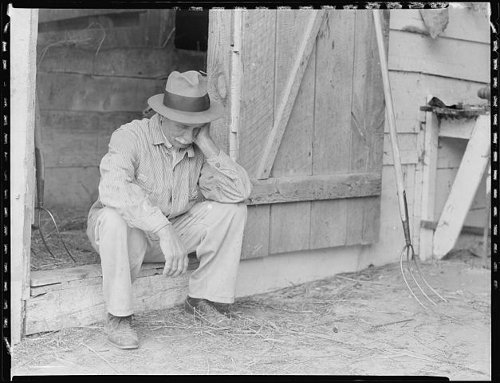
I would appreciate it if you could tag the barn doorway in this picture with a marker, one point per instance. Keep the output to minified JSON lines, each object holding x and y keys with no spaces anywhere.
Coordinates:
{"x":95,"y":70}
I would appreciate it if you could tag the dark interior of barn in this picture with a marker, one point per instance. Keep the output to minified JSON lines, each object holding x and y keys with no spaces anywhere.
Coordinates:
{"x":95,"y":70}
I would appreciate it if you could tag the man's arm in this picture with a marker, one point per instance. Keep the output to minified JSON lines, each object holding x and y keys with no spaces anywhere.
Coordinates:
{"x":118,"y":190}
{"x":117,"y":187}
{"x":221,"y":179}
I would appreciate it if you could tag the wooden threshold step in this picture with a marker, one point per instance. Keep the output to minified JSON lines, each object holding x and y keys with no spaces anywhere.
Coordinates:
{"x":73,"y":297}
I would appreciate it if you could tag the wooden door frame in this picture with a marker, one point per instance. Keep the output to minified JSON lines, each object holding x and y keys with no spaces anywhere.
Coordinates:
{"x":23,"y":32}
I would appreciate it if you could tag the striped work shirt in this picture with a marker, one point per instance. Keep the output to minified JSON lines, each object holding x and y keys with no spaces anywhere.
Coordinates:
{"x":149,"y":181}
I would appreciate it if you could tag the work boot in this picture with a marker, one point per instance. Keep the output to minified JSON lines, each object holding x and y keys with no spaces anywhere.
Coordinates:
{"x":206,"y":311}
{"x":120,"y":332}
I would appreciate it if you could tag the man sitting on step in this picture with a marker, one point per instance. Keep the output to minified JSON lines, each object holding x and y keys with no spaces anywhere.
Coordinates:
{"x":166,"y":190}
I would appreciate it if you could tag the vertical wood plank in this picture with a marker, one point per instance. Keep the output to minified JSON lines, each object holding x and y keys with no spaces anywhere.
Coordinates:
{"x":257,"y":114}
{"x":24,"y":27}
{"x":367,"y":128}
{"x":219,"y":36}
{"x":258,"y":56}
{"x":332,"y":128}
{"x":257,"y":229}
{"x":290,"y":223}
{"x":290,"y":88}
{"x":294,"y":156}
{"x":256,"y":236}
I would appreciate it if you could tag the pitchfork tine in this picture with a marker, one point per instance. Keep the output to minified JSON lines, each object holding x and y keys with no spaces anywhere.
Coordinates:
{"x":409,"y":257}
{"x":426,"y":283}
{"x":406,"y":282}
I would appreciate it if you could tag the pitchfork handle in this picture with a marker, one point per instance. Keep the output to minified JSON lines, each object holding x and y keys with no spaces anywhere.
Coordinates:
{"x":390,"y":114}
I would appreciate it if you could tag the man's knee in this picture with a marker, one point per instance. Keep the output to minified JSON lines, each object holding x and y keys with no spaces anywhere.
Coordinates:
{"x":110,"y":219}
{"x":238,"y":210}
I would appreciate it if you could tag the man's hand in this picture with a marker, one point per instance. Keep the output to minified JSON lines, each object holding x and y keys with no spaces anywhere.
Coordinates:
{"x":205,"y":142}
{"x":176,"y":259}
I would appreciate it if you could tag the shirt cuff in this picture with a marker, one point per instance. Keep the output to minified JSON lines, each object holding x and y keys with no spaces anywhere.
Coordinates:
{"x":158,"y":221}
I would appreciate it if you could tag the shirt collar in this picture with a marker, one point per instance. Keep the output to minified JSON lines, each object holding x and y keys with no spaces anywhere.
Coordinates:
{"x":159,"y":137}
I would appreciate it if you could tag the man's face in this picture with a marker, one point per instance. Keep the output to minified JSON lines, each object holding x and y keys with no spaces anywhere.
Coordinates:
{"x":180,"y":135}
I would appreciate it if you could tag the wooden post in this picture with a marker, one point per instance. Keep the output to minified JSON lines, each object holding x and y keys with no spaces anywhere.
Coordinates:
{"x":235,"y":81}
{"x":431,"y":136}
{"x":24,"y":29}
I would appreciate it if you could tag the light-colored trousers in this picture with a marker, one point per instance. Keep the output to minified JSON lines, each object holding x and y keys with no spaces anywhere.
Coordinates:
{"x":214,"y":230}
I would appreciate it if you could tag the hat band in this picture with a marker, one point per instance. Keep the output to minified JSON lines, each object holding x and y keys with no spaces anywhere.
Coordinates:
{"x":186,"y":104}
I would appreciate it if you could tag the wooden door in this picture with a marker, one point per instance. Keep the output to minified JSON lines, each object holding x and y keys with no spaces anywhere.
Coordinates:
{"x":310,"y":123}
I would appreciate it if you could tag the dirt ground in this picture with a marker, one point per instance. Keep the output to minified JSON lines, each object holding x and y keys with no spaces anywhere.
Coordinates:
{"x":362,"y":323}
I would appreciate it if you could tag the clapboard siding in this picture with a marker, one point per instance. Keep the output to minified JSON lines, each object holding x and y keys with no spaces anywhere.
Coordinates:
{"x":459,"y":59}
{"x":452,"y":67}
{"x":463,"y":24}
{"x":407,"y":143}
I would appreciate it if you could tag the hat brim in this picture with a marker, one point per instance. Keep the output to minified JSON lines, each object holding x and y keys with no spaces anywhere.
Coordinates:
{"x":215,"y":112}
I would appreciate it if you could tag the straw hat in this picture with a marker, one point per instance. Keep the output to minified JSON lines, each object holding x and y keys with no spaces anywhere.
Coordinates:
{"x":186,"y":99}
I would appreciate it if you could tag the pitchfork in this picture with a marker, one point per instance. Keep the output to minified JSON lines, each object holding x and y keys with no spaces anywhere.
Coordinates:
{"x":403,"y":205}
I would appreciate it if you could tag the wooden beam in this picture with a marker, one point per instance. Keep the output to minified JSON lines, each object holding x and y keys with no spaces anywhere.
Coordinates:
{"x":290,"y":93}
{"x":475,"y":230}
{"x":314,"y":188}
{"x":49,"y":15}
{"x":58,"y":276}
{"x":81,"y":304}
{"x":24,"y":24}
{"x":467,"y":180}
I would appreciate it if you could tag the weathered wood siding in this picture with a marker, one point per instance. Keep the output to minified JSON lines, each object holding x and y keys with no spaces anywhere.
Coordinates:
{"x":311,"y":126}
{"x":96,"y":70}
{"x":452,"y":67}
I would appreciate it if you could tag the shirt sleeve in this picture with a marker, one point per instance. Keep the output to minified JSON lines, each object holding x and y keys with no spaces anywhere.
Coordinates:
{"x":223,"y":180}
{"x":118,"y":188}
